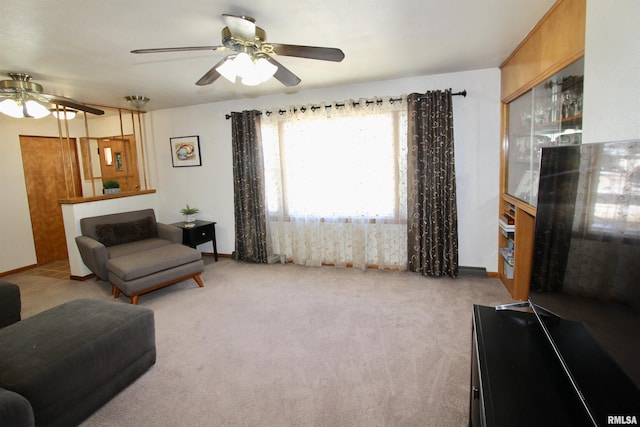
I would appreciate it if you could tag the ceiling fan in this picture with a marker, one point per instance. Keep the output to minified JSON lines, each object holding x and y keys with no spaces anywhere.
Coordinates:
{"x":24,"y":97}
{"x":251,"y":52}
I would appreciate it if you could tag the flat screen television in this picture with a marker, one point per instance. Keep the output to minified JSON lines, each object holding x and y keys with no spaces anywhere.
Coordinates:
{"x":586,"y":254}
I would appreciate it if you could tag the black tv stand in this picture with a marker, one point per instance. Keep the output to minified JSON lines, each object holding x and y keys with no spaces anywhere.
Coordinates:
{"x":517,"y":379}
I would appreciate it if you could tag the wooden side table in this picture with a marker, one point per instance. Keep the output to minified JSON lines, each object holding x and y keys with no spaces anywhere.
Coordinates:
{"x":200,"y":232}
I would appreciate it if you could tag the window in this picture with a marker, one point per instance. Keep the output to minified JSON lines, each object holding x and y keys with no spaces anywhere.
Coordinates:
{"x":328,"y":167}
{"x":336,"y":184}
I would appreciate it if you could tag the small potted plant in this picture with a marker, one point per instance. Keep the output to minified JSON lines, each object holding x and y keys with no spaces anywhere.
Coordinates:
{"x":189,"y":214}
{"x":110,"y":186}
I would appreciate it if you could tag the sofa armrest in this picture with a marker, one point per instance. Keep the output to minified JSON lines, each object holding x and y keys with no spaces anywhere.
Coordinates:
{"x":15,"y":410}
{"x":169,"y":232}
{"x":94,"y":255}
{"x":10,"y":304}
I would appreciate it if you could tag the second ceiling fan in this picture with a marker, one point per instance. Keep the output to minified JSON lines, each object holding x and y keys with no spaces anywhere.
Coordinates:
{"x":252,"y":60}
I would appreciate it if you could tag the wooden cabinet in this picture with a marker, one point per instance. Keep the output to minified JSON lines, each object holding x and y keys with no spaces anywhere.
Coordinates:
{"x":542,"y":84}
{"x":550,"y":114}
{"x":555,"y":42}
{"x":516,"y":246}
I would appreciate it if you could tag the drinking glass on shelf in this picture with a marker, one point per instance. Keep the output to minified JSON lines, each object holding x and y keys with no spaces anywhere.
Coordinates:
{"x":542,"y":113}
{"x":566,"y":99}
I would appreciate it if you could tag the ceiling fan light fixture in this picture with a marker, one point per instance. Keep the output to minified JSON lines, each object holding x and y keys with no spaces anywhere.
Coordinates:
{"x":251,"y":69}
{"x":228,"y":69}
{"x":243,"y":62}
{"x":64,"y":114}
{"x":36,"y":110}
{"x":11,"y":108}
{"x":248,"y":42}
{"x":137,"y":100}
{"x":260,"y":71}
{"x":15,"y":109}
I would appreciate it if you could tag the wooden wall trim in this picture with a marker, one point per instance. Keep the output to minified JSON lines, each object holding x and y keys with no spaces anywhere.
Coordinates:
{"x":103,"y":197}
{"x":504,"y":143}
{"x":556,"y":41}
{"x":18,"y":270}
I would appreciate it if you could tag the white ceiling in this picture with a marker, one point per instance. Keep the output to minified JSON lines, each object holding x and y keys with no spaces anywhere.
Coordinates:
{"x":81,"y":48}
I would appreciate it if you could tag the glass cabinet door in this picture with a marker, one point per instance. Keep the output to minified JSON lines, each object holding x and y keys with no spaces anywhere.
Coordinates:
{"x":549,"y":114}
{"x":521,"y":152}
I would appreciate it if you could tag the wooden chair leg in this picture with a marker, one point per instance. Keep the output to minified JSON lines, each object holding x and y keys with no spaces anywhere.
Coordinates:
{"x":134,"y":300}
{"x":116,"y":291}
{"x":198,"y":280}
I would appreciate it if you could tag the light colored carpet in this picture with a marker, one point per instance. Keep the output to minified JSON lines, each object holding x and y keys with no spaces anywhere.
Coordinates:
{"x":285,"y":345}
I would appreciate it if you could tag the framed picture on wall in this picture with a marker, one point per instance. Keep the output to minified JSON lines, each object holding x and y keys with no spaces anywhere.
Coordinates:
{"x":185,"y":151}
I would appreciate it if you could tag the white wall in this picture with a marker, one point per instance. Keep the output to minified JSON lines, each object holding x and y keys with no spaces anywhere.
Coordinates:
{"x":612,"y":71}
{"x":17,"y":248}
{"x":210,"y":187}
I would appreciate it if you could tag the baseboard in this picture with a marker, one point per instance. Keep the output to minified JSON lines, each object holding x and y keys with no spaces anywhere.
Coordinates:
{"x":18,"y":270}
{"x":82,"y":278}
{"x":219,"y":255}
{"x":472,"y":271}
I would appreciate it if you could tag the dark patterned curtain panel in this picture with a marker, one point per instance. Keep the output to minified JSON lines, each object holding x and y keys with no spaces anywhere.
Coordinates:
{"x":432,"y":210}
{"x":248,"y":188}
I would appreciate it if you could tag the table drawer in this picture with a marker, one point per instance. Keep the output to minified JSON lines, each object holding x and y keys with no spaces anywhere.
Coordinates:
{"x":201,"y":234}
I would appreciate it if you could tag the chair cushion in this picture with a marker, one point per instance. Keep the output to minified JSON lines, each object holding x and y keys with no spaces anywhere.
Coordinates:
{"x":88,"y":224}
{"x":125,"y":232}
{"x":151,"y":261}
{"x":135,"y":247}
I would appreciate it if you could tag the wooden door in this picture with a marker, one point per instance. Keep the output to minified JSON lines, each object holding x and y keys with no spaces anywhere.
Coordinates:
{"x":51,"y":173}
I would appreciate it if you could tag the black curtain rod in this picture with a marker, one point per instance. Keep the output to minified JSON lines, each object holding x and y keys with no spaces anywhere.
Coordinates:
{"x":462,"y":93}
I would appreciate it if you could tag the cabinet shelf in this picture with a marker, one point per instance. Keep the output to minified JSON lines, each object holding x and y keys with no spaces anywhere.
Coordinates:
{"x":507,"y":256}
{"x":516,"y":246}
{"x":571,"y":122}
{"x":509,"y":235}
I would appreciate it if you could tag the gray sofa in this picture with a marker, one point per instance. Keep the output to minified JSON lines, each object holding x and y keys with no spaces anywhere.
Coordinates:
{"x":61,"y":365}
{"x":135,"y":253}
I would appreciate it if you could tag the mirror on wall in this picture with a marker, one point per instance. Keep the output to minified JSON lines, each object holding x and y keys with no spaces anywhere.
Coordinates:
{"x":112,"y":150}
{"x":111,"y":158}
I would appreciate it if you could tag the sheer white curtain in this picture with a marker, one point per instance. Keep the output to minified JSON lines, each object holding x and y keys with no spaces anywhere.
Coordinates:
{"x":335,"y":182}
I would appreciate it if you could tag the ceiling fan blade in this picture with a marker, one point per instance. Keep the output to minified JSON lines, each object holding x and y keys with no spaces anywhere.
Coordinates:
{"x":178,"y":49}
{"x":243,"y":27}
{"x":211,"y":75}
{"x":283,"y":75}
{"x":311,"y":52}
{"x":67,"y":102}
{"x":77,"y":106}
